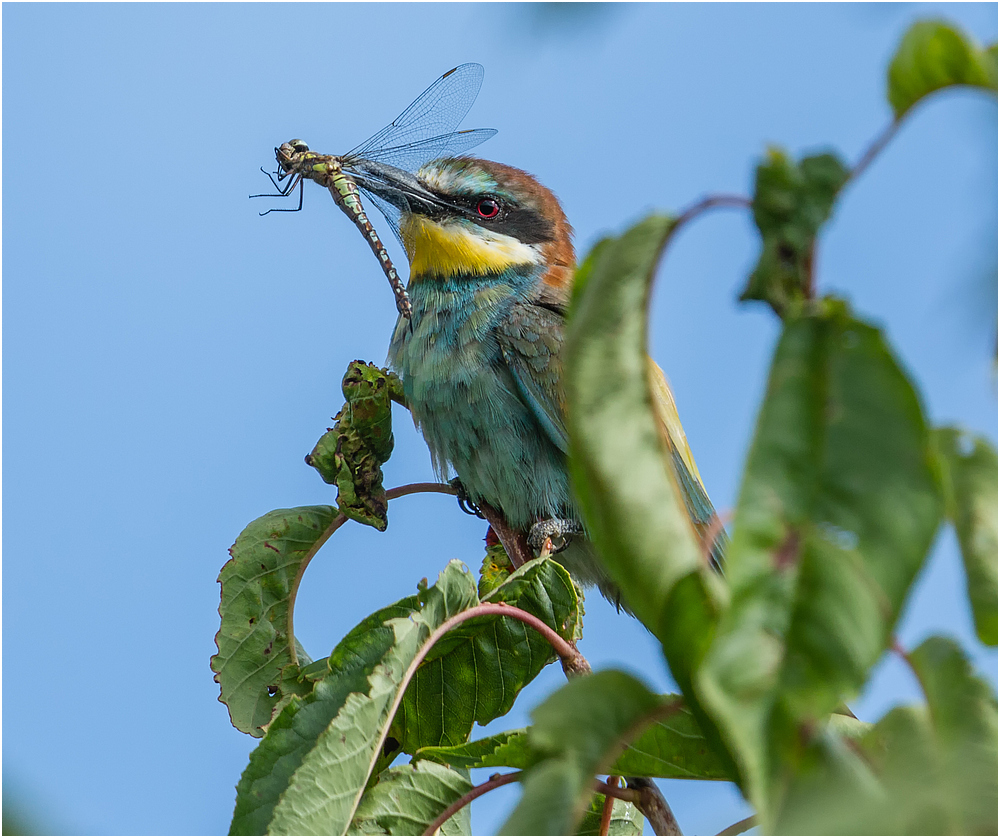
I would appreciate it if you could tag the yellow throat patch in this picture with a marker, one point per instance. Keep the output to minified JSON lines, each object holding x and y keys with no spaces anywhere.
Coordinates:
{"x":452,"y":248}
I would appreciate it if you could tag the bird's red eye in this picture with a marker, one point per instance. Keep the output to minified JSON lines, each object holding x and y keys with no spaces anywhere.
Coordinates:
{"x":488,"y":208}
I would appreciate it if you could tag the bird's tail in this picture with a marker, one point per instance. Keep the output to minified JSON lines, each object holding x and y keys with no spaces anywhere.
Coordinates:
{"x":708,"y":528}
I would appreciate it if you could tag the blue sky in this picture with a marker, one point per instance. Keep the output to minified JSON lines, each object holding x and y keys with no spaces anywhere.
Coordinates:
{"x":169,"y":356}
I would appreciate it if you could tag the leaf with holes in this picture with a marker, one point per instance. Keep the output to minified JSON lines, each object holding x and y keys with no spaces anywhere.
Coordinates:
{"x":839,"y":505}
{"x":257,"y":586}
{"x":351,"y":454}
{"x":308,"y":775}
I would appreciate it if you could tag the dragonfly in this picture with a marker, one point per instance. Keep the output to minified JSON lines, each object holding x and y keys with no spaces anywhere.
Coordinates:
{"x":423,"y":132}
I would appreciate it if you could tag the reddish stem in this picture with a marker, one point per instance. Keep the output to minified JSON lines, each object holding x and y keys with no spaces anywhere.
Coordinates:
{"x":415,"y":488}
{"x":493,"y":782}
{"x":498,"y":780}
{"x":873,"y":150}
{"x":609,"y":807}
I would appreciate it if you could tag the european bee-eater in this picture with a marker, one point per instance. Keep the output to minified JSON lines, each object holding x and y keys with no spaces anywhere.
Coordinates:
{"x":491,"y":265}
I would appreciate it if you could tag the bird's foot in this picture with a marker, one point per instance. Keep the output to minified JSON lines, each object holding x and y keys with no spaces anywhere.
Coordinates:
{"x":464,"y":501}
{"x":554,"y":532}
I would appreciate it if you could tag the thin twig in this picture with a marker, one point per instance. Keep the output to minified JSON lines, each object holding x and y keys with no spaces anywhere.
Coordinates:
{"x":415,"y":488}
{"x":873,"y":150}
{"x":493,"y":782}
{"x":609,"y":808}
{"x":704,"y":205}
{"x":336,"y":524}
{"x":654,"y":806}
{"x":293,"y":589}
{"x":707,"y":203}
{"x":740,"y":827}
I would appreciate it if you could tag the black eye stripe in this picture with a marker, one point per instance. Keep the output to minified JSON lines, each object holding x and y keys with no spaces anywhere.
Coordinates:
{"x":524,"y":224}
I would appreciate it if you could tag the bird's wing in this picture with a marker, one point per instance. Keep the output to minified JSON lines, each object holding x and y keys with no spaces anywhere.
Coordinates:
{"x":531,"y":341}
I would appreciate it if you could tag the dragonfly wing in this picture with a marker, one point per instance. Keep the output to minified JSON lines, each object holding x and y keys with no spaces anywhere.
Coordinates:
{"x":435,"y":112}
{"x":413,"y":155}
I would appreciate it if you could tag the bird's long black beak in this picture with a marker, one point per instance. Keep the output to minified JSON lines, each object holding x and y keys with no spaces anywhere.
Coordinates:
{"x":400,"y":188}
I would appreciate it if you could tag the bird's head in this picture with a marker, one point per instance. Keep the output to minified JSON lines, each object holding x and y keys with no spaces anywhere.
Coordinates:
{"x":474,"y":218}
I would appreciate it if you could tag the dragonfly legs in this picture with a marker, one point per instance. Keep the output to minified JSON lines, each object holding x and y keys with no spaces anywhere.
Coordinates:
{"x":283,"y":192}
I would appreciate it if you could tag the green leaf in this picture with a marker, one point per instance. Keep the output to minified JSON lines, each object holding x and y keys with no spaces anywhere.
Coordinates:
{"x":257,"y":584}
{"x":933,"y":55}
{"x":963,"y":715}
{"x":501,"y":750}
{"x":622,"y":474}
{"x":477,"y":671}
{"x":310,"y":771}
{"x":970,"y":468}
{"x":672,"y":748}
{"x":791,"y":202}
{"x":839,"y":504}
{"x":920,"y":770}
{"x":619,"y":466}
{"x":578,"y":732}
{"x":473,"y":673}
{"x":626,"y":819}
{"x":350,"y":455}
{"x":291,"y":735}
{"x":407,"y":799}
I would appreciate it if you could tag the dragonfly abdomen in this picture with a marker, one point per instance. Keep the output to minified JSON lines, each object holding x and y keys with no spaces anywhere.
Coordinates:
{"x":345,"y":193}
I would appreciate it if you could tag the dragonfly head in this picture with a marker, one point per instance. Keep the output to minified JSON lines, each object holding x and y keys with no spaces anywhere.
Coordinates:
{"x":285,"y":153}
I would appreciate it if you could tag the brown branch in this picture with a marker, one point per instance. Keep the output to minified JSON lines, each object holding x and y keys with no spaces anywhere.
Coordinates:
{"x":609,"y":808}
{"x":810,"y":289}
{"x":740,"y":827}
{"x":513,"y":541}
{"x":608,"y":790}
{"x":493,"y":782}
{"x":654,"y":806}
